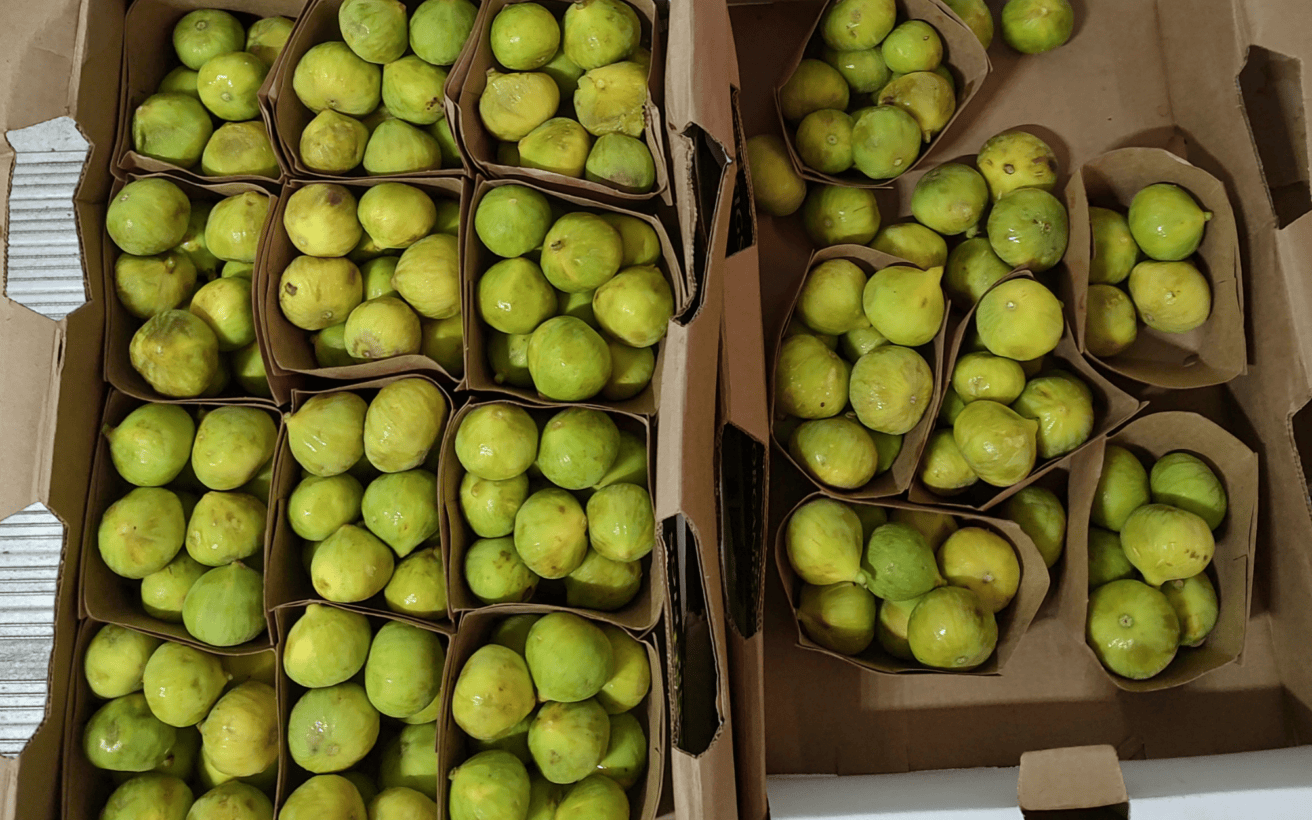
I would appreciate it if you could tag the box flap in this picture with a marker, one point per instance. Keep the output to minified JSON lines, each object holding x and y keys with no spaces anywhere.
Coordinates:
{"x":1080,"y":777}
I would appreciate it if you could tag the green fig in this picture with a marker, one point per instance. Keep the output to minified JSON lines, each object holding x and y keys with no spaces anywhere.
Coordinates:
{"x":1183,"y":480}
{"x":439,"y":29}
{"x":333,"y":143}
{"x":1172,"y":297}
{"x":225,"y":607}
{"x":824,"y":542}
{"x":635,"y":306}
{"x":551,"y":533}
{"x":1195,"y":604}
{"x":491,"y":784}
{"x":559,"y":145}
{"x":524,"y":37}
{"x":1020,"y":319}
{"x":998,"y":444}
{"x":403,"y":423}
{"x":225,"y":305}
{"x":396,"y":215}
{"x":915,"y":243}
{"x":152,"y":445}
{"x":565,"y":72}
{"x":180,"y":79}
{"x":1107,"y":561}
{"x":324,"y":797}
{"x":512,"y":220}
{"x":231,"y":445}
{"x":176,"y":353}
{"x":1028,"y":229}
{"x":413,"y":90}
{"x":824,"y":141}
{"x":912,"y":46}
{"x":330,"y":347}
{"x":1115,"y":252}
{"x":568,"y":740}
{"x":1123,"y":487}
{"x":181,"y":684}
{"x":569,"y":658}
{"x":935,"y":527}
{"x":489,"y":507}
{"x":332,"y":729}
{"x":1036,"y":26}
{"x":397,"y":147}
{"x":977,"y":17}
{"x":331,"y":75}
{"x":326,"y":646}
{"x":514,"y":296}
{"x":950,"y":199}
{"x":568,"y":360}
{"x":544,"y":796}
{"x":236,"y":225}
{"x":856,"y":343}
{"x":148,"y":216}
{"x":495,"y":573}
{"x":497,"y":441}
{"x":623,"y":162}
{"x":410,"y":761}
{"x":233,"y":800}
{"x":814,"y":86}
{"x":831,"y":297}
{"x":602,"y":584}
{"x":898,"y":563}
{"x":150,"y":795}
{"x":849,"y":25}
{"x":1017,"y":159}
{"x":514,"y":104}
{"x":171,"y":127}
{"x":376,"y":30}
{"x":1039,"y":512}
{"x":1166,"y":222}
{"x":891,"y":628}
{"x":326,"y":434}
{"x":443,"y":341}
{"x":982,"y":562}
{"x":577,"y":447}
{"x":598,"y":33}
{"x":204,"y":34}
{"x":631,"y":371}
{"x":865,"y":69}
{"x":1166,"y":543}
{"x":885,"y":141}
{"x":890,"y":389}
{"x":840,"y":617}
{"x":267,"y":37}
{"x":240,"y":148}
{"x":1132,"y":628}
{"x":404,"y":670}
{"x":1110,"y":324}
{"x":905,"y":304}
{"x":926,"y":95}
{"x":943,"y":469}
{"x":193,"y":242}
{"x":115,"y":661}
{"x":581,"y":252}
{"x":164,"y":591}
{"x":237,"y":270}
{"x":950,"y":628}
{"x":1063,"y":406}
{"x":125,"y":736}
{"x":512,"y":633}
{"x":985,"y":376}
{"x":382,"y":328}
{"x":351,"y":565}
{"x":776,"y":185}
{"x":240,"y":736}
{"x":225,"y":527}
{"x":840,"y":216}
{"x":811,"y":381}
{"x":630,"y":679}
{"x":418,"y":587}
{"x":147,"y":285}
{"x":630,"y":464}
{"x":377,"y":275}
{"x":141,"y":532}
{"x":626,"y":755}
{"x":428,"y":276}
{"x":248,"y":369}
{"x":493,"y":692}
{"x":972,"y":269}
{"x":321,"y":220}
{"x":228,"y":83}
{"x":836,"y":451}
{"x":621,"y":524}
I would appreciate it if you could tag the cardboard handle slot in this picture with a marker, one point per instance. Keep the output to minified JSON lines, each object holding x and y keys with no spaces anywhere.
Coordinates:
{"x":742,"y":220}
{"x":1272,"y":88}
{"x":741,"y":490}
{"x":1300,"y":422}
{"x":710,"y":164}
{"x":694,"y":677}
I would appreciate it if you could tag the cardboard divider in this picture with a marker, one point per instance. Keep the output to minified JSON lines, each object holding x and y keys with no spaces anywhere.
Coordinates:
{"x":1013,"y":621}
{"x":318,"y":24}
{"x":290,"y":350}
{"x":109,"y":597}
{"x":482,"y":146}
{"x":291,"y":582}
{"x":120,"y":325}
{"x":291,"y":775}
{"x":1212,"y":354}
{"x":452,"y":750}
{"x":148,"y":55}
{"x":897,"y":478}
{"x":476,"y":258}
{"x":1231,"y":569}
{"x":1112,"y":407}
{"x":87,"y":788}
{"x":963,"y":55}
{"x":640,"y":614}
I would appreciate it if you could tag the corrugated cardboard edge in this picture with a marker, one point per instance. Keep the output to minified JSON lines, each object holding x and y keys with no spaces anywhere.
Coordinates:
{"x":148,"y":48}
{"x":1117,"y":407}
{"x":651,"y":713}
{"x":898,"y":477}
{"x":1081,"y":777}
{"x":288,"y":691}
{"x":1232,"y":565}
{"x":475,"y":259}
{"x":1217,"y":352}
{"x":318,"y":24}
{"x":1013,"y":621}
{"x":481,"y":146}
{"x":963,"y":54}
{"x":290,"y":583}
{"x":105,"y":596}
{"x":291,"y":349}
{"x":639,"y":615}
{"x":121,"y":325}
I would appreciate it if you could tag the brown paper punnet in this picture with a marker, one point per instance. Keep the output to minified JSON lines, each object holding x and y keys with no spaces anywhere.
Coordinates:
{"x":1231,"y":570}
{"x":1112,"y":407}
{"x":475,"y":259}
{"x":1212,"y":354}
{"x":482,"y":146}
{"x":290,"y":775}
{"x":288,"y":581}
{"x":148,"y":55}
{"x":289,"y":349}
{"x":897,"y":478}
{"x":640,"y":614}
{"x":1013,"y":621}
{"x":88,"y":787}
{"x":121,"y":325}
{"x":475,"y":628}
{"x":111,"y":598}
{"x":318,"y":24}
{"x":962,"y":54}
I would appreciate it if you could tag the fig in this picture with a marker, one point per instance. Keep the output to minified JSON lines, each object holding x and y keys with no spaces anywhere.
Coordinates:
{"x":248,"y":369}
{"x":559,"y":145}
{"x":152,"y":444}
{"x":1063,"y":406}
{"x":115,"y":661}
{"x":836,"y":451}
{"x":912,"y":46}
{"x":225,"y":607}
{"x":397,"y":147}
{"x":240,"y":736}
{"x":376,"y":275}
{"x":330,"y":347}
{"x":864,"y":69}
{"x":985,"y":376}
{"x":164,"y":591}
{"x":497,"y":441}
{"x":977,"y":17}
{"x":831,"y":297}
{"x":331,"y":76}
{"x":565,"y":72}
{"x":326,"y":646}
{"x":885,"y":141}
{"x":935,"y":527}
{"x":824,"y":542}
{"x":568,"y":360}
{"x":148,"y":216}
{"x":225,"y":527}
{"x":905,"y":304}
{"x":151,"y":795}
{"x":489,"y":507}
{"x":492,"y":784}
{"x":324,"y":797}
{"x":514,"y":296}
{"x":630,"y":464}
{"x":1115,"y":253}
{"x":856,"y":343}
{"x":1132,"y":628}
{"x":228,"y":83}
{"x":1039,"y":512}
{"x":495,"y":574}
{"x":898,"y":563}
{"x":870,"y":518}
{"x":1194,"y":602}
{"x":1166,"y":543}
{"x":439,"y":29}
{"x":413,"y":91}
{"x":332,"y":729}
{"x":376,"y":30}
{"x":942,"y":467}
{"x":814,"y":86}
{"x":180,"y":79}
{"x":493,"y":692}
{"x":840,"y":216}
{"x":193,"y":242}
{"x":1019,"y":319}
{"x":551,"y":533}
{"x":950,"y":628}
{"x":635,"y":306}
{"x":824,"y":141}
{"x":400,"y":803}
{"x":240,"y":148}
{"x":1183,"y":480}
{"x":811,"y":382}
{"x":1036,"y":26}
{"x":396,"y":215}
{"x":233,"y":800}
{"x":568,"y":740}
{"x":238,"y":270}
{"x":410,"y":761}
{"x":1017,"y":159}
{"x":1028,"y":228}
{"x":171,"y":127}
{"x":181,"y":683}
{"x":321,"y":220}
{"x":915,"y":243}
{"x":443,"y":341}
{"x":776,"y":186}
{"x":626,"y":754}
{"x":1167,"y":223}
{"x":630,"y":678}
{"x":512,"y":220}
{"x":997,"y":443}
{"x":125,"y":736}
{"x":1123,"y":487}
{"x":840,"y":617}
{"x":581,"y":252}
{"x":524,"y":37}
{"x":620,"y":161}
{"x":577,"y":447}
{"x":972,"y":269}
{"x":351,"y":565}
{"x":326,"y":434}
{"x":225,"y":305}
{"x":926,"y":95}
{"x":514,"y":104}
{"x":232,"y":444}
{"x":1110,"y":324}
{"x":1172,"y":297}
{"x":598,"y":33}
{"x":512,"y":633}
{"x":418,"y":586}
{"x":621,"y":524}
{"x":235,"y":226}
{"x":982,"y":562}
{"x":570,"y":660}
{"x":382,"y":328}
{"x":849,"y":25}
{"x":631,"y":371}
{"x":404,"y":670}
{"x":141,"y":532}
{"x":333,"y":143}
{"x":428,"y":276}
{"x":950,"y":199}
{"x":890,"y":389}
{"x":204,"y":34}
{"x":267,"y":37}
{"x":403,"y":424}
{"x":602,"y":584}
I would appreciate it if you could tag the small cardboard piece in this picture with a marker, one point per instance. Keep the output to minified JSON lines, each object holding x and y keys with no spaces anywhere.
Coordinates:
{"x":1231,"y":570}
{"x":90,"y":787}
{"x":639,"y":615}
{"x":1083,"y":777}
{"x":963,"y":54}
{"x":1212,"y":354}
{"x":897,"y":478}
{"x":476,"y":258}
{"x":318,"y":24}
{"x":148,"y":55}
{"x":290,"y":775}
{"x":121,"y":325}
{"x":108,"y":597}
{"x":1012,"y":621}
{"x":290,"y":582}
{"x":644,"y":796}
{"x":1112,"y":407}
{"x":291,"y":349}
{"x":482,"y":146}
